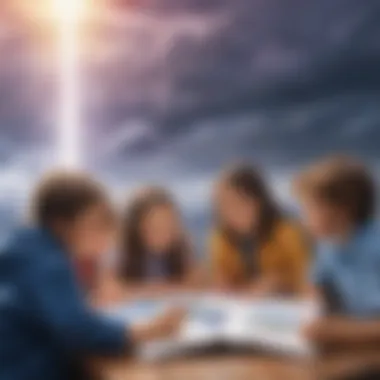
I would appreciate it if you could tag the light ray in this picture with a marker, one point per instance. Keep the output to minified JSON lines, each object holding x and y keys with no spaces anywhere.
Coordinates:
{"x":69,"y":132}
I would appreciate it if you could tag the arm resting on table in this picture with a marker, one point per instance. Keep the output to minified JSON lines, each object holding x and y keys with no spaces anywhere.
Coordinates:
{"x":59,"y":304}
{"x":340,"y":330}
{"x":347,"y":365}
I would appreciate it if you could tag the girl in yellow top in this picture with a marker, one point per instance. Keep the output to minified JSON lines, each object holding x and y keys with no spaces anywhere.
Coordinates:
{"x":253,"y":245}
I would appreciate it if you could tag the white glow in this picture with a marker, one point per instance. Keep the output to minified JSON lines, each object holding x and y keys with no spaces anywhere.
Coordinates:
{"x":69,"y":138}
{"x":69,"y":11}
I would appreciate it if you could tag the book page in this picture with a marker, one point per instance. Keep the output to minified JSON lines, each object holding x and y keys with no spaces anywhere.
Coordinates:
{"x":272,"y":325}
{"x":204,"y":325}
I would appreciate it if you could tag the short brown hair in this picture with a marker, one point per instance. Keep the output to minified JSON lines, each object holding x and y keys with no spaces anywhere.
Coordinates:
{"x":62,"y":196}
{"x":343,"y":182}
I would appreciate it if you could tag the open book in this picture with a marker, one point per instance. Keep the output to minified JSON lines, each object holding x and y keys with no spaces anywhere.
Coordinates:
{"x":272,"y":325}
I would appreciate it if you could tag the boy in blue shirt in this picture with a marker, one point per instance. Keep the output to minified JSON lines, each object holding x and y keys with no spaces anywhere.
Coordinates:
{"x":338,"y":199}
{"x":45,"y":324}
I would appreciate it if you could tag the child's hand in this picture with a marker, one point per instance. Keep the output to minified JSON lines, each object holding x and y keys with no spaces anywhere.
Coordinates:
{"x":310,"y":331}
{"x":169,"y":323}
{"x":320,"y":331}
{"x":164,"y":326}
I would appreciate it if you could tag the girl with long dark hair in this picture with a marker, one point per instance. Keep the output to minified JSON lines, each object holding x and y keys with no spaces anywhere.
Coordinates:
{"x":253,"y":243}
{"x":155,"y":251}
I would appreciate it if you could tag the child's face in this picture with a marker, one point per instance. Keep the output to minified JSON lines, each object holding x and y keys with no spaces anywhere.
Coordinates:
{"x":91,"y":234}
{"x":159,"y":229}
{"x":322,"y":219}
{"x":236,"y":210}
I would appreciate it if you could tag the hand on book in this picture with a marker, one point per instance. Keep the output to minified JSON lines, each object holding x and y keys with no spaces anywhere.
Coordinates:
{"x":320,"y":331}
{"x":169,"y":323}
{"x":164,"y":326}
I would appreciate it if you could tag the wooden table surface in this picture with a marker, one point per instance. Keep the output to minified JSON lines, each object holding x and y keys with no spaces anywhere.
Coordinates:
{"x":208,"y":368}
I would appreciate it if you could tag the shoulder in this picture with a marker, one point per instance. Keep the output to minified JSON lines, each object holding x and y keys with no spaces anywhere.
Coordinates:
{"x":366,"y":240}
{"x":18,"y":244}
{"x":216,"y":237}
{"x":218,"y":243}
{"x":370,"y":241}
{"x":30,"y":251}
{"x":374,"y":233}
{"x":288,"y":228}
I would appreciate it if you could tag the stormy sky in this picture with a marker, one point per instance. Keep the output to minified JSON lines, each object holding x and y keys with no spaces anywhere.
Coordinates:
{"x":175,"y":89}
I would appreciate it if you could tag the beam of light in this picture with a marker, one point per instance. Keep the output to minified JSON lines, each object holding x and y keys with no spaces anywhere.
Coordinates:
{"x":69,"y":137}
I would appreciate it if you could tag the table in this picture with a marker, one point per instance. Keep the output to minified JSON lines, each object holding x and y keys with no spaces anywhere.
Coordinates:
{"x":208,"y":368}
{"x":236,"y":366}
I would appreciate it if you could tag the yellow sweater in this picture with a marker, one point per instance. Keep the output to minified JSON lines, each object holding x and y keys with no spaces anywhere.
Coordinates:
{"x":285,"y":257}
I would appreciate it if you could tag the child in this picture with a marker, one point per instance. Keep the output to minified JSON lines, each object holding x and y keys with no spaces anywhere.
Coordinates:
{"x":155,"y":252}
{"x":254,"y":246}
{"x":338,"y":201}
{"x":45,"y":323}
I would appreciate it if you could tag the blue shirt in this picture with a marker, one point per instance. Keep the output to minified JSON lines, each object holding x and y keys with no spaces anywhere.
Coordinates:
{"x":44,"y":321}
{"x":349,"y":274}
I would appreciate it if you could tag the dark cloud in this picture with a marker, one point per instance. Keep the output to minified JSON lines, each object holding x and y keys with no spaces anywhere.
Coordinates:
{"x":173,"y":89}
{"x":270,"y":63}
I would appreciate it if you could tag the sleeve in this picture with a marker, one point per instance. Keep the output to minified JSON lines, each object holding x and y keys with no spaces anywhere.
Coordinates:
{"x":221,"y":270}
{"x":59,"y":304}
{"x":361,"y":291}
{"x":366,"y":305}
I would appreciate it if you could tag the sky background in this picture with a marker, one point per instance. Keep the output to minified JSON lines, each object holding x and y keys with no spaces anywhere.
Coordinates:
{"x":172,"y":90}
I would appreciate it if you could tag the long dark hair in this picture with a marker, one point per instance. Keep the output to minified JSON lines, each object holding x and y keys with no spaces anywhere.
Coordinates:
{"x":133,"y":252}
{"x":248,"y":181}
